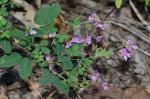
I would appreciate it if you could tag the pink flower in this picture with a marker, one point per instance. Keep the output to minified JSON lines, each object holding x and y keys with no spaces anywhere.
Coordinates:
{"x":48,"y":58}
{"x":68,"y":45}
{"x":104,"y":85}
{"x":93,"y":17}
{"x":88,"y":40}
{"x":94,"y":76}
{"x":77,"y":39}
{"x":99,"y":38}
{"x":131,"y":44}
{"x":99,"y":25}
{"x":125,"y":53}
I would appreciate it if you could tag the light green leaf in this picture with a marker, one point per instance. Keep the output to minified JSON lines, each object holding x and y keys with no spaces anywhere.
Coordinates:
{"x":6,"y":46}
{"x":102,"y":53}
{"x":8,"y":61}
{"x":118,"y":3}
{"x":47,"y":14}
{"x":25,"y":68}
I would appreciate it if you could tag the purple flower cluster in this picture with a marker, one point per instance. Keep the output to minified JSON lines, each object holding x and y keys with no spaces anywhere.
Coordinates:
{"x":125,"y":52}
{"x":99,"y":38}
{"x":80,"y":40}
{"x":95,"y":76}
{"x":96,"y":21}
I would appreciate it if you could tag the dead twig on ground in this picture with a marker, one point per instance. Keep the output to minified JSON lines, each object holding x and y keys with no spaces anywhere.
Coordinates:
{"x":132,"y":29}
{"x":139,"y":15}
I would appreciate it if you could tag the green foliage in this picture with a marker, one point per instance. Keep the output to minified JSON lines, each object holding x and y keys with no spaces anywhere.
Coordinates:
{"x":147,"y":2}
{"x":3,"y":11}
{"x":62,"y":37}
{"x":75,"y":22}
{"x":58,"y":47}
{"x":75,"y":50}
{"x":3,"y":1}
{"x":6,"y":46}
{"x":8,"y":61}
{"x":48,"y":77}
{"x":67,"y":63}
{"x":47,"y":14}
{"x":118,"y":3}
{"x":45,"y":50}
{"x":18,"y":34}
{"x":25,"y":68}
{"x":35,"y":49}
{"x":102,"y":53}
{"x":43,"y":43}
{"x":43,"y":30}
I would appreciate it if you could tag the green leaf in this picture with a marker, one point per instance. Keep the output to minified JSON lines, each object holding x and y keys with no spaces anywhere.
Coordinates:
{"x":75,"y":50}
{"x":25,"y":68}
{"x":118,"y":3}
{"x":18,"y":34}
{"x":8,"y":61}
{"x":47,"y":14}
{"x":43,"y":43}
{"x":6,"y":46}
{"x":3,"y":11}
{"x":102,"y":53}
{"x":67,"y":63}
{"x":62,"y":37}
{"x":58,"y":47}
{"x":147,"y":2}
{"x":43,"y":30}
{"x":45,"y":50}
{"x":48,"y":77}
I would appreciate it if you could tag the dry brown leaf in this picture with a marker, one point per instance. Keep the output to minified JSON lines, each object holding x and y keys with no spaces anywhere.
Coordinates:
{"x":113,"y":92}
{"x":33,"y":85}
{"x":136,"y":93}
{"x":60,"y":24}
{"x":27,"y":17}
{"x":3,"y":93}
{"x":38,"y":3}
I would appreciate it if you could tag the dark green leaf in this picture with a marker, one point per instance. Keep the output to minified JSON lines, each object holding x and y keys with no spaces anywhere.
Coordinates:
{"x":47,"y":14}
{"x":67,"y":63}
{"x":45,"y":50}
{"x":3,"y":11}
{"x":25,"y":68}
{"x":58,"y":47}
{"x":6,"y":46}
{"x":18,"y":34}
{"x":10,"y":60}
{"x":43,"y":43}
{"x":62,"y":37}
{"x":48,"y":77}
{"x":75,"y":50}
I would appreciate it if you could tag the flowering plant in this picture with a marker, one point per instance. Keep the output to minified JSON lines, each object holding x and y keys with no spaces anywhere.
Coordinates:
{"x":65,"y":61}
